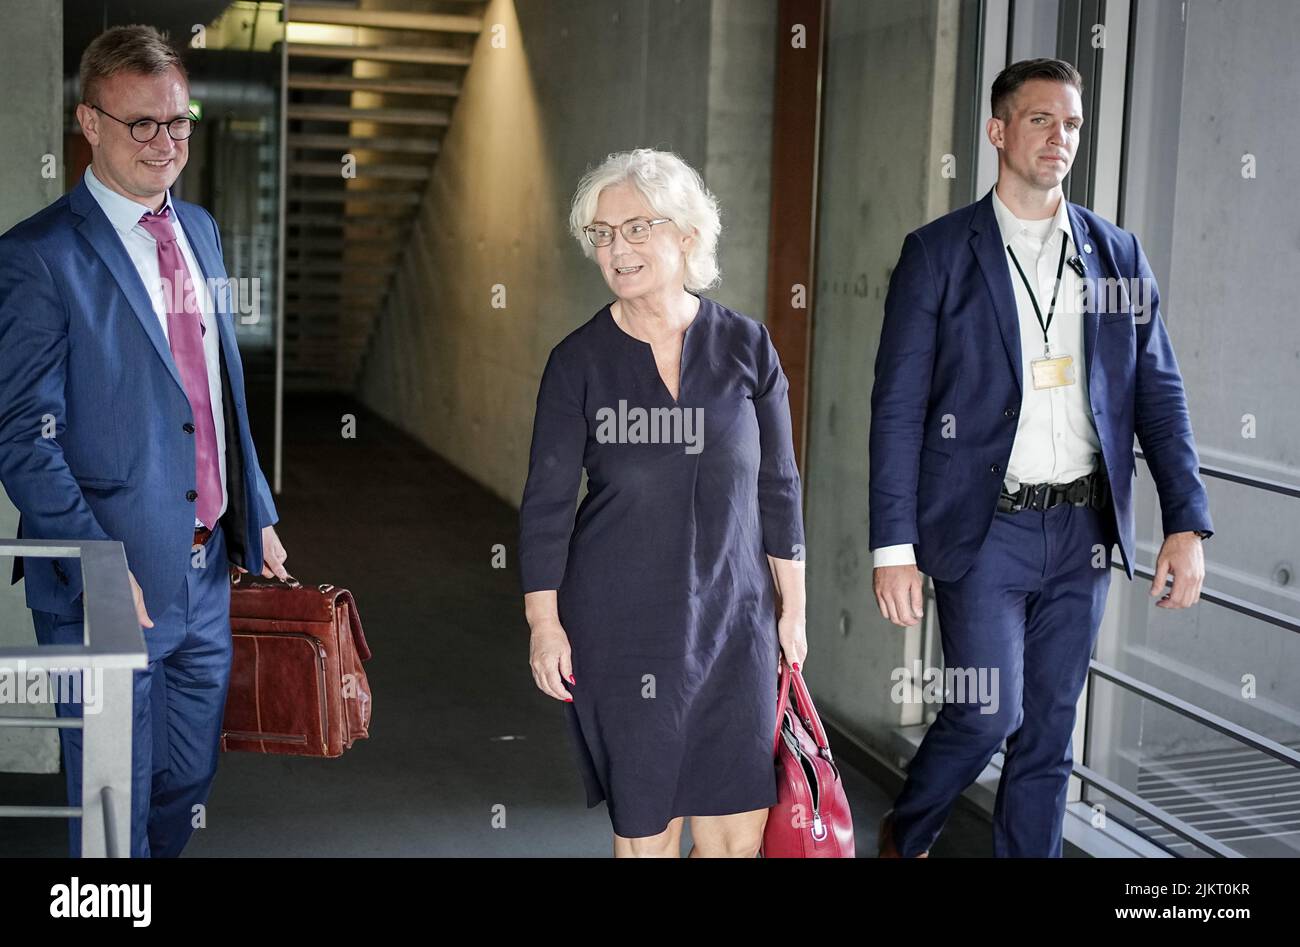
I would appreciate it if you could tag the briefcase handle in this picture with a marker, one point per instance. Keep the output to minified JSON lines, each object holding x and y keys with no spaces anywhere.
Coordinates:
{"x":291,"y":582}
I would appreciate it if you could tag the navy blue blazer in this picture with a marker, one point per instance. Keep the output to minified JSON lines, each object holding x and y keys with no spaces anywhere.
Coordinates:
{"x":950,"y":345}
{"x":83,"y":356}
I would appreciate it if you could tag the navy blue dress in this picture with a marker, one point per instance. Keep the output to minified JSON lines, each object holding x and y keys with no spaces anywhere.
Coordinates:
{"x":663,"y":583}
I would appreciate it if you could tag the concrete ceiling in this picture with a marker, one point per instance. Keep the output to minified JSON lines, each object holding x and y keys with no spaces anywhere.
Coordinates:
{"x":83,"y":20}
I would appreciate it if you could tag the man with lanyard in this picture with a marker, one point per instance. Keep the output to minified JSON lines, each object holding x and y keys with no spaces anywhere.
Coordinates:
{"x":1002,"y":464}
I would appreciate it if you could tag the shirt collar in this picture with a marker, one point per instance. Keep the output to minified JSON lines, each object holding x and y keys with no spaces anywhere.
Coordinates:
{"x":1012,"y":228}
{"x":122,"y":212}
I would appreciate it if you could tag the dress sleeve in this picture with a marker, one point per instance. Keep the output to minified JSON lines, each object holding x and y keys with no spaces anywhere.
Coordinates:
{"x":554,"y":472}
{"x":779,"y":490}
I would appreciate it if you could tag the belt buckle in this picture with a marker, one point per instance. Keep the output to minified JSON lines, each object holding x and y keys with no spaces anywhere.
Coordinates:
{"x":1099,"y":495}
{"x":1079,"y":492}
{"x":1036,"y":495}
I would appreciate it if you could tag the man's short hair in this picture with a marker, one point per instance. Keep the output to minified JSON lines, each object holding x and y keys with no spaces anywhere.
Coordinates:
{"x":1018,"y":73}
{"x":136,"y":48}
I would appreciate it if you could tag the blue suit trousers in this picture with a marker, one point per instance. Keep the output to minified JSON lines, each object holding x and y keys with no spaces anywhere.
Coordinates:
{"x":179,"y":704}
{"x":1029,"y":607}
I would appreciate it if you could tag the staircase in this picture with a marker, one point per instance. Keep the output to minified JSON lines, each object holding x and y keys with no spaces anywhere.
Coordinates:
{"x":371,"y":93}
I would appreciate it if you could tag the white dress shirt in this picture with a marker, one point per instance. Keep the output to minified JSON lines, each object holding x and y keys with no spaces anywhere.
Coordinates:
{"x":124,"y":214}
{"x":1055,"y":440}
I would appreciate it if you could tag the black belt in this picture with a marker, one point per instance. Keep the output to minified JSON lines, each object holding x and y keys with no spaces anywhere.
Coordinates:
{"x":1090,"y":490}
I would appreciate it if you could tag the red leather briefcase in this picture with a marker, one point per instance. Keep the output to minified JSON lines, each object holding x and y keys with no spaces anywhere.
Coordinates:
{"x":297,"y":684}
{"x":811,"y":818}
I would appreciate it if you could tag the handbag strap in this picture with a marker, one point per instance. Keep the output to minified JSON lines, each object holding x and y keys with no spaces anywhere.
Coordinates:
{"x":782,"y":700}
{"x":808,"y":713}
{"x":803,"y":706}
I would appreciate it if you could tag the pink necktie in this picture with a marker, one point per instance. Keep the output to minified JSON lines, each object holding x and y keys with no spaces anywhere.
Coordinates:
{"x":185,"y":335}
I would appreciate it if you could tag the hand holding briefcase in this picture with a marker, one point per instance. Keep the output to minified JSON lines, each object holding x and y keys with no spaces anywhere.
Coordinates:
{"x":297,"y":684}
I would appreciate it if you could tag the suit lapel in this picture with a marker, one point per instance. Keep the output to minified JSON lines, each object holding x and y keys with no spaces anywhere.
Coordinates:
{"x":99,"y":233}
{"x":1092,"y":268}
{"x":986,"y":243}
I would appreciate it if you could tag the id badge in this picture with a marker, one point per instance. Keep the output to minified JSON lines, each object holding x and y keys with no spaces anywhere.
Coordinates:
{"x":1052,"y":372}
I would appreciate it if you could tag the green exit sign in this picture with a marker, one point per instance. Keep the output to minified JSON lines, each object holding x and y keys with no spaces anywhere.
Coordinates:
{"x":196,"y":108}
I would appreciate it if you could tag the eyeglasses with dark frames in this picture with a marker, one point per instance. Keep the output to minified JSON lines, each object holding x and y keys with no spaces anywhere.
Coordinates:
{"x":636,"y":230}
{"x":146,"y":129}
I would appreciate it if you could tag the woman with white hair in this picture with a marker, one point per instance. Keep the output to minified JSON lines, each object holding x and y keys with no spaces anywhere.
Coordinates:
{"x":653,"y":614}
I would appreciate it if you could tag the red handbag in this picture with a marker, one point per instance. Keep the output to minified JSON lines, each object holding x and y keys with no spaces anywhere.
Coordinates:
{"x":811,"y":818}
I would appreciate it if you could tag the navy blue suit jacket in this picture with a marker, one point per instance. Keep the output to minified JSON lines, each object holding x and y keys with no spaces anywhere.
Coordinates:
{"x":83,"y":357}
{"x":950,"y":345}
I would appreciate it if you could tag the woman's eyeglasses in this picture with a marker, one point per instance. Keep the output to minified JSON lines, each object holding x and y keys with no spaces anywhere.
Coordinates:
{"x":636,"y":230}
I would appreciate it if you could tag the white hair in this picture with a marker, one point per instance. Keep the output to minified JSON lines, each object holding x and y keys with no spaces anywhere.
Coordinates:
{"x":671,"y":188}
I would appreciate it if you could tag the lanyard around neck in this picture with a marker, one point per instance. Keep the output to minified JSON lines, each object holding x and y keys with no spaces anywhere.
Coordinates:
{"x":1051,"y":310}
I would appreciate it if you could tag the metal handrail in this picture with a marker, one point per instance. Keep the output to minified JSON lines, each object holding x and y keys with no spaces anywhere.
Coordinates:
{"x":1154,"y":813}
{"x":1222,"y":473}
{"x":1229,"y":602}
{"x":112,"y":840}
{"x":1263,"y":744}
{"x":114,"y":648}
{"x":1187,"y":709}
{"x":1256,"y":741}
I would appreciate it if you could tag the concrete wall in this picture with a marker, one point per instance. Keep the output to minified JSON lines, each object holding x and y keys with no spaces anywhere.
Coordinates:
{"x":31,"y":68}
{"x":574,"y":82}
{"x":888,"y":117}
{"x":738,"y":166}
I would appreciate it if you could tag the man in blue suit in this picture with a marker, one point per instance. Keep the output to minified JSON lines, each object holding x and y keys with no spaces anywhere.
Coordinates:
{"x":1013,"y":372}
{"x":122,"y":417}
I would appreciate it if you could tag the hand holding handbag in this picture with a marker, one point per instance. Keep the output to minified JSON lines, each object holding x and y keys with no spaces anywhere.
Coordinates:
{"x":811,"y":818}
{"x":297,"y":685}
